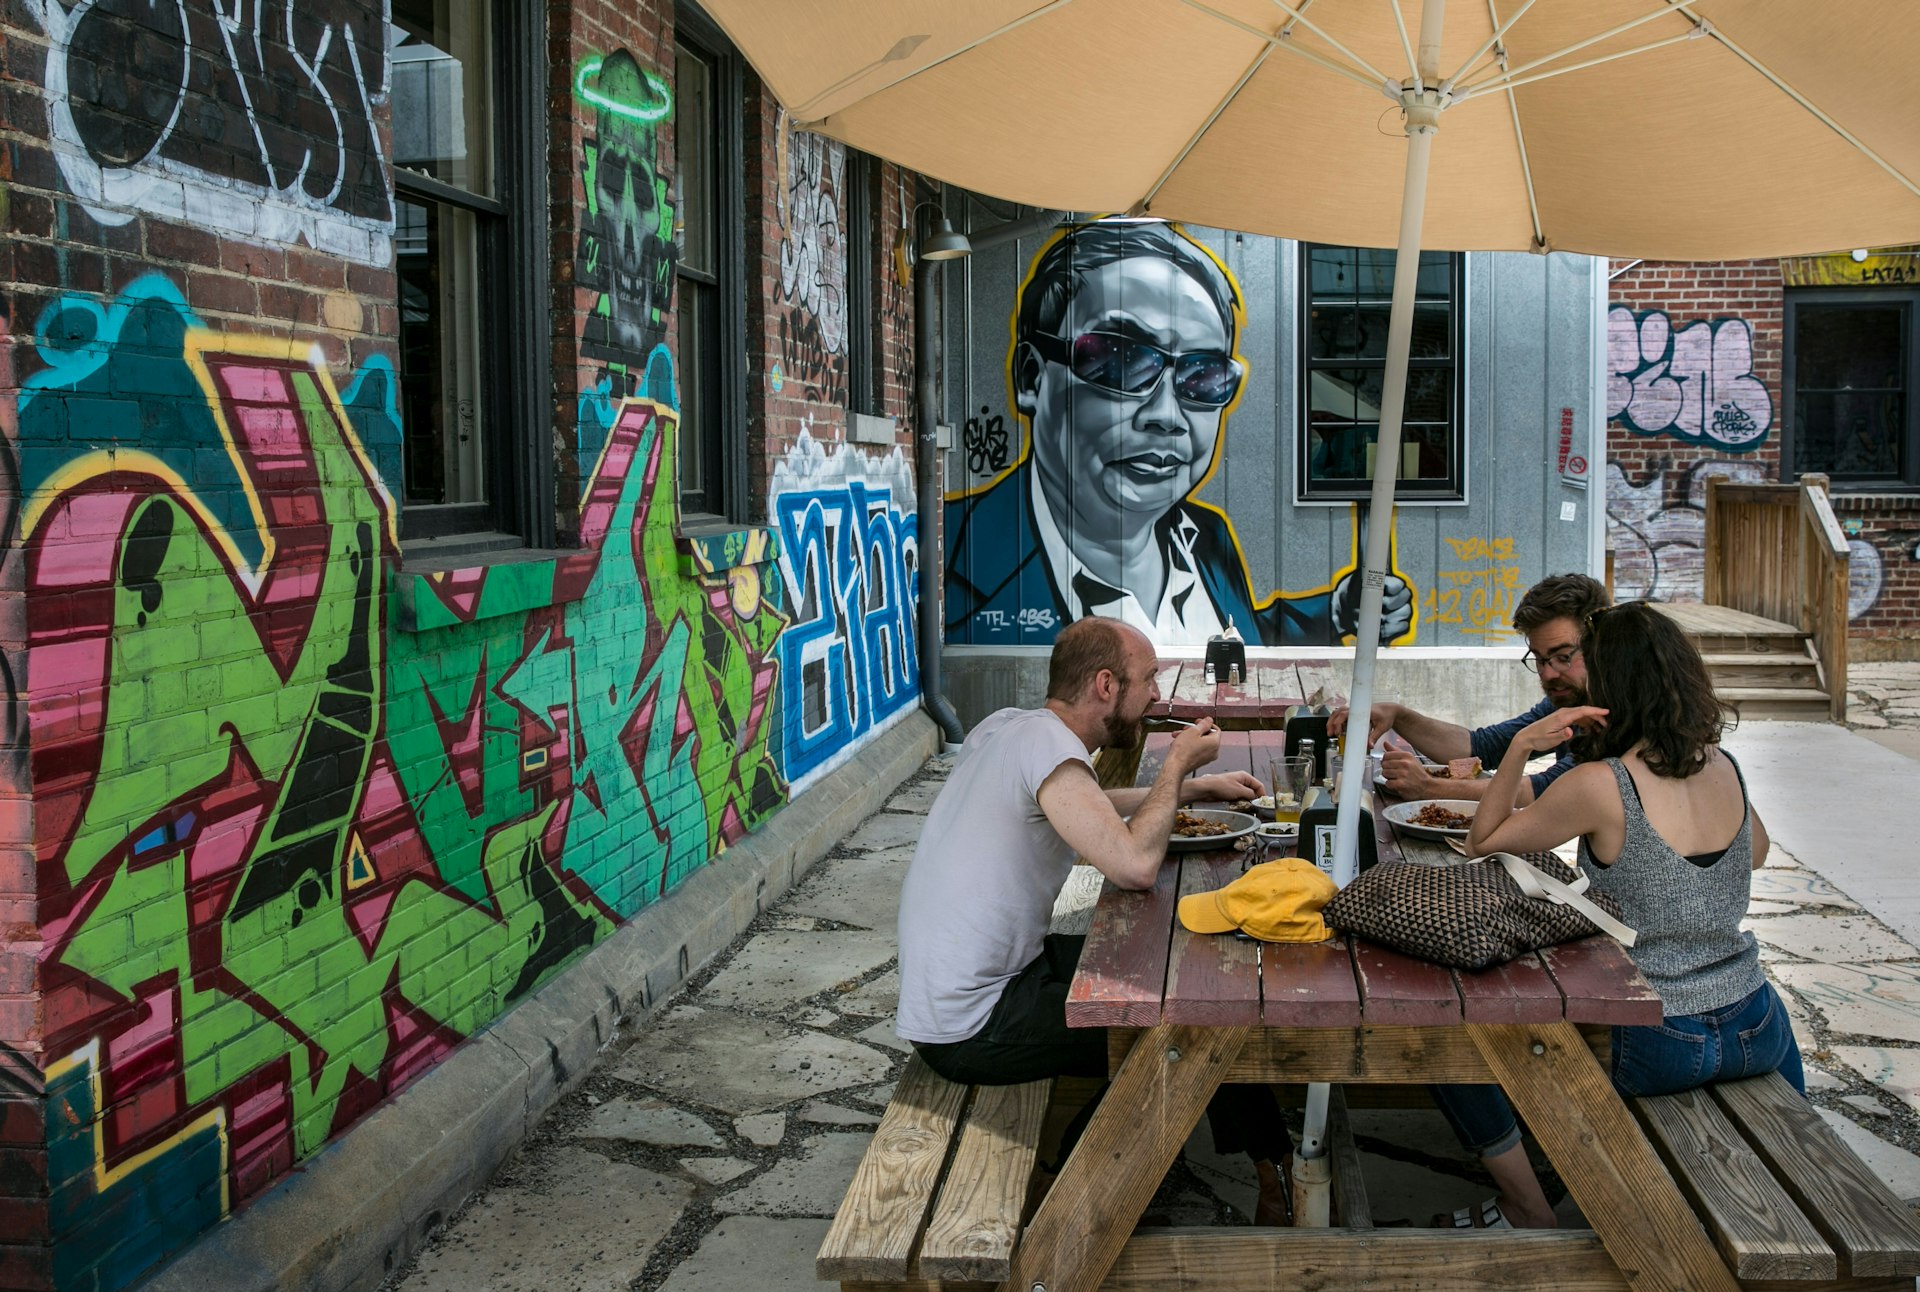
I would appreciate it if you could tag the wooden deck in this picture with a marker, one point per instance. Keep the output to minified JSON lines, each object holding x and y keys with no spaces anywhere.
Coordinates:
{"x":1702,"y":620}
{"x":1762,"y":667}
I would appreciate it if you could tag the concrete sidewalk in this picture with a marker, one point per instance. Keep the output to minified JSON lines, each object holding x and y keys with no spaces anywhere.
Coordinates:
{"x":708,"y":1152}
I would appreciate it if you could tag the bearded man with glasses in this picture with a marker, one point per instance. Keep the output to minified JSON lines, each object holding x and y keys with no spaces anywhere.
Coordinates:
{"x":1550,"y":616}
{"x":1124,"y":367}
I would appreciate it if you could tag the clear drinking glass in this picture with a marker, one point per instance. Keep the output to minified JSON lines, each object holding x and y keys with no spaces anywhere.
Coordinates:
{"x":1291,"y":778}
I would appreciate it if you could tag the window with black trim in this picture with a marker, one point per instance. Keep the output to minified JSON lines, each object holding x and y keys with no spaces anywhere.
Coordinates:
{"x":709,"y":294}
{"x":863,"y":376}
{"x":1346,"y":297}
{"x":468,"y":137}
{"x":1850,"y":373}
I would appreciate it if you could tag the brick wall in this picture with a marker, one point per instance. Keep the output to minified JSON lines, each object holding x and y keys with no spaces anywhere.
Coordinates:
{"x":1695,"y":389}
{"x":286,"y":819}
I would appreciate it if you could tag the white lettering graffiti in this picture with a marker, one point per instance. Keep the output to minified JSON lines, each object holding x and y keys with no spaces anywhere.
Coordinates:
{"x":849,"y":559}
{"x":813,"y":258}
{"x":1659,"y":550}
{"x":251,"y":120}
{"x":1696,"y":384}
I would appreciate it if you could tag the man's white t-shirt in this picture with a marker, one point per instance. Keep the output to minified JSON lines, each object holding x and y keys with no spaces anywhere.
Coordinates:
{"x":979,"y":893}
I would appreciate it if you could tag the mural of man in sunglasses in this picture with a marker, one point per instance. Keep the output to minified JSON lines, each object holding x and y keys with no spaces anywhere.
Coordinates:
{"x":1124,"y":366}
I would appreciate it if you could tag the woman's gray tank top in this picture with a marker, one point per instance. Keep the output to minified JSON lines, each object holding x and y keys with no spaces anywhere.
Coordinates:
{"x":1691,"y":948}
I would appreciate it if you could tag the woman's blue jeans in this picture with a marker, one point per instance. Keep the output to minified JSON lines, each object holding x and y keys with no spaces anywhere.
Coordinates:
{"x":1747,"y":1039}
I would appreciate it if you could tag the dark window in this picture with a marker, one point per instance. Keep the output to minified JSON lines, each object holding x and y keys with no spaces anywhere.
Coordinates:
{"x":863,"y":375}
{"x":711,"y":326}
{"x":1345,"y":301}
{"x":1851,"y":369}
{"x":464,"y":130}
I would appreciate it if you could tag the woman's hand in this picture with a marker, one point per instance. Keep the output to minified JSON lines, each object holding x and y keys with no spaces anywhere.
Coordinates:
{"x":1555,"y":729}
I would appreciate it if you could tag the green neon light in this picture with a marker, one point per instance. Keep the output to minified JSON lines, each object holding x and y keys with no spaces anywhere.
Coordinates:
{"x":647,"y":113}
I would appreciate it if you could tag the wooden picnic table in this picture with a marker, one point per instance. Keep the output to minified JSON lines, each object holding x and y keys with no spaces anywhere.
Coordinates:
{"x":1258,"y":701}
{"x":1190,"y":1011}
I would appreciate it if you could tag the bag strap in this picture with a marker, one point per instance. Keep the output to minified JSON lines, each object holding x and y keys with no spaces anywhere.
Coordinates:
{"x":1536,"y":883}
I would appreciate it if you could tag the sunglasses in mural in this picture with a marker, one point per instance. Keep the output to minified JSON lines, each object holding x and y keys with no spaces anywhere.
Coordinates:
{"x":1127,"y":365}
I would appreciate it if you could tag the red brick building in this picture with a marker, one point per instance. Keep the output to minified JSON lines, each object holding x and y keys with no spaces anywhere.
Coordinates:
{"x":1765,"y":370}
{"x":434,"y":534}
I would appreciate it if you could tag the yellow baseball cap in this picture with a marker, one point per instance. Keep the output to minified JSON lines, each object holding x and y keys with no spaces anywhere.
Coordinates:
{"x":1276,"y":901}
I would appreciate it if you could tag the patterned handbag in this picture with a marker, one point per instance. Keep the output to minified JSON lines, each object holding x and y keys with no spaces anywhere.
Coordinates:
{"x":1477,"y":913}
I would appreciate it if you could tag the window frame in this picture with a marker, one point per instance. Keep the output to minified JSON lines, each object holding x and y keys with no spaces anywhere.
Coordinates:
{"x":516,"y":377}
{"x":723,"y":445}
{"x":1450,"y":492}
{"x":1908,"y":299}
{"x":863,"y":376}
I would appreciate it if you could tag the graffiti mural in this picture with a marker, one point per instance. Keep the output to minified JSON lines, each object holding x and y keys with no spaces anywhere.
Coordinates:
{"x":1659,"y":546}
{"x":1865,"y":577}
{"x":628,"y":242}
{"x":289,"y":855}
{"x":1124,"y":369}
{"x":1478,"y":591}
{"x":850,"y":558}
{"x":813,"y":267}
{"x":1694,"y":383}
{"x":257,"y":121}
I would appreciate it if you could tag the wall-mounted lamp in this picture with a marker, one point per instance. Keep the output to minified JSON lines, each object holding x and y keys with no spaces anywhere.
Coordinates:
{"x":945,"y":243}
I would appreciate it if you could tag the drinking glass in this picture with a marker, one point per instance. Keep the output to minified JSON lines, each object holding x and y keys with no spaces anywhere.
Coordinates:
{"x":1291,"y":778}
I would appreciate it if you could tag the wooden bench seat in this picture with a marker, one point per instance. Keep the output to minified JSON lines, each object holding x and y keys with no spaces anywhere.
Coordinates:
{"x":1783,"y":1197}
{"x":937,"y":1199}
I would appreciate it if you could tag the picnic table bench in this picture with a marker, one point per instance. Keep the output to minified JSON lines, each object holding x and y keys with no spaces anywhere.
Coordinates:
{"x":1737,"y":1185}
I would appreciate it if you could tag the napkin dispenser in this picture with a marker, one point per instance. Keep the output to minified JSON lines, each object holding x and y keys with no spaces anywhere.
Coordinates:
{"x":1226,"y":656}
{"x":1309,"y":722}
{"x":1317,"y":817}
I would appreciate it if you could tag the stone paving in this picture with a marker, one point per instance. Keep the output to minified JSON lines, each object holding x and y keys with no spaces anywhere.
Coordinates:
{"x":1883,"y":704}
{"x":710,"y":1148}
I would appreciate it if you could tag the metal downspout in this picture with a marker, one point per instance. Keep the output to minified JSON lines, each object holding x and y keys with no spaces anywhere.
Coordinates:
{"x":925,"y":483}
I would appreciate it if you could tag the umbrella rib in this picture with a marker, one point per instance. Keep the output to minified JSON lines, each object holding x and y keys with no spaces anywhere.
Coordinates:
{"x":800,"y":112}
{"x":1811,"y":107}
{"x":1372,"y":80}
{"x":1299,"y":15}
{"x":1508,"y":83}
{"x":1674,"y":6}
{"x":1500,"y":29}
{"x":1406,"y":46}
{"x":1146,"y":203}
{"x":1520,"y":140}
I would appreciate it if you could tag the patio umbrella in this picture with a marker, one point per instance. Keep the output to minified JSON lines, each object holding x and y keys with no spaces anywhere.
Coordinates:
{"x":1663,"y":129}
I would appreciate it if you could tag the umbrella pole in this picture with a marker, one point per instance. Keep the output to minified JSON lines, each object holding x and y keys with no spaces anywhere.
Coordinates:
{"x":1423,"y":103}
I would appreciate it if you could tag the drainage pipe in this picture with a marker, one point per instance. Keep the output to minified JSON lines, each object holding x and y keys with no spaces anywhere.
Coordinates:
{"x":926,"y":456}
{"x":925,"y":459}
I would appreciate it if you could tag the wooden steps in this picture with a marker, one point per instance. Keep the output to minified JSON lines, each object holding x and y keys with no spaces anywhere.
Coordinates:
{"x":1761,"y":667}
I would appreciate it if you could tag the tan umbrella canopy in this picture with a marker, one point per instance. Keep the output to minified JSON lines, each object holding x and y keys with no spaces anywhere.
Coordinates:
{"x":1670,"y":129}
{"x":1742,"y":127}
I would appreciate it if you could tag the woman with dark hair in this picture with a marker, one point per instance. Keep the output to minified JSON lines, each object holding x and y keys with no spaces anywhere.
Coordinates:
{"x":1664,"y":825}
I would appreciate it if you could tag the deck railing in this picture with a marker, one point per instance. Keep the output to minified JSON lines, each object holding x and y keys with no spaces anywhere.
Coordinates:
{"x":1776,"y":550}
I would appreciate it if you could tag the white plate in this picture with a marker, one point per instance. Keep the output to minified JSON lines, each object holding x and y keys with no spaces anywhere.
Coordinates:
{"x":1278,"y":831}
{"x":1402,"y":814}
{"x":1239,"y":826}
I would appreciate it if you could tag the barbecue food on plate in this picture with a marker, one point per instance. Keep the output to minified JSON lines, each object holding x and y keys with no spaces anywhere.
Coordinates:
{"x":1188,"y":826}
{"x":1435,"y":817}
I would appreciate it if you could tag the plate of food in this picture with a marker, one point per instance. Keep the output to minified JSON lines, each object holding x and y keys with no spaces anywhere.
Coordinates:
{"x":1204,"y":829}
{"x":1434,"y":818}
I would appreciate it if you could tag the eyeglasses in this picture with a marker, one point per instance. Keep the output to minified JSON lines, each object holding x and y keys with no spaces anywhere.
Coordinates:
{"x":1125,"y":365}
{"x":1557,"y":659}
